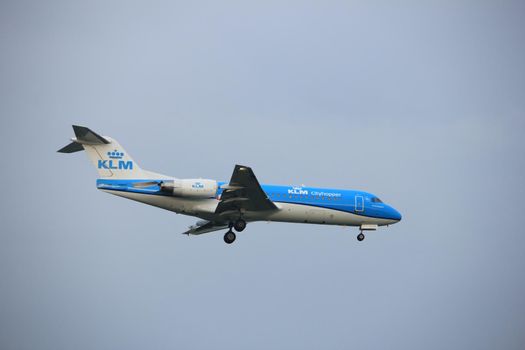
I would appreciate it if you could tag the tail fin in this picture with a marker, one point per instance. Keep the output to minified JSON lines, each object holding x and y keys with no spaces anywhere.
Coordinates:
{"x":108,"y":157}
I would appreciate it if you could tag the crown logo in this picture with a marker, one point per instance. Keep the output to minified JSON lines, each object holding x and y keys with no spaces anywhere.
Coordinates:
{"x":115,"y":154}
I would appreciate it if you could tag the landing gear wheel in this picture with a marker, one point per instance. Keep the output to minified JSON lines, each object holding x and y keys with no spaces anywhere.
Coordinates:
{"x":360,"y":236}
{"x":239,"y":225}
{"x":229,"y":237}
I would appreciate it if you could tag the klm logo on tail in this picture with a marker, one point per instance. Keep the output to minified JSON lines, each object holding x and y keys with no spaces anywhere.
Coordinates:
{"x":115,"y":162}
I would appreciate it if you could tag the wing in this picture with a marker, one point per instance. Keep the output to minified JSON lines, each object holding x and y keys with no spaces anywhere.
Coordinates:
{"x":243,"y":193}
{"x":205,"y":226}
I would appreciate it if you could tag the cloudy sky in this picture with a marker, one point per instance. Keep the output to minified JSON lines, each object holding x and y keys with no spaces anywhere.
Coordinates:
{"x":421,"y":103}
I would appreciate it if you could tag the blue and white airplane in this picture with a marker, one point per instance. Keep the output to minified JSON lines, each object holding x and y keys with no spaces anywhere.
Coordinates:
{"x":228,"y":205}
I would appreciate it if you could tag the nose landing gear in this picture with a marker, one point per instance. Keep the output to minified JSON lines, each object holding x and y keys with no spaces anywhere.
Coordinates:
{"x":365,"y":227}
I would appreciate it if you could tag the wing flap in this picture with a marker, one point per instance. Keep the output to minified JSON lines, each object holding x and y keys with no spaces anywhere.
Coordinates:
{"x":204,"y":227}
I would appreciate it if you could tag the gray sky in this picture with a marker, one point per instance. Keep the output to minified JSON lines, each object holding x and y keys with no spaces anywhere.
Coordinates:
{"x":421,"y":103}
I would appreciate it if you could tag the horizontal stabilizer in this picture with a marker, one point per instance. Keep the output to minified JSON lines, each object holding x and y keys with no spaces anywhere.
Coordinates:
{"x":85,"y":135}
{"x":71,"y":148}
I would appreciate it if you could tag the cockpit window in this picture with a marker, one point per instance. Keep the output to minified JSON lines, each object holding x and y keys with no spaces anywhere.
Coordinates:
{"x":376,"y":200}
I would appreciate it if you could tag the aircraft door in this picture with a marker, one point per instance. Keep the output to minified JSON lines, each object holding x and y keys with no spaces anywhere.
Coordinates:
{"x":359,"y":204}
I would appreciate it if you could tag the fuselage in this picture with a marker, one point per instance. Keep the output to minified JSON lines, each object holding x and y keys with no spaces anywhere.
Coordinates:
{"x":229,"y":204}
{"x":296,"y":204}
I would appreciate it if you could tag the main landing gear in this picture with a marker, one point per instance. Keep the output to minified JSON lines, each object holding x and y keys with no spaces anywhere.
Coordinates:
{"x":239,"y":226}
{"x":229,"y":237}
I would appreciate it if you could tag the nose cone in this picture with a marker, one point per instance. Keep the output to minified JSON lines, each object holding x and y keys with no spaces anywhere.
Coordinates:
{"x":394,"y":214}
{"x":397,"y":215}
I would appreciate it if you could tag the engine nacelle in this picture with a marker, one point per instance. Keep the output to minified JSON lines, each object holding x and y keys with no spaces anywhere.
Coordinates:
{"x":195,"y":188}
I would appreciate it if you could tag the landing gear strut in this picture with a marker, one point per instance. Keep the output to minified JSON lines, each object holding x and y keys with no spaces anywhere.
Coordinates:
{"x":229,"y":237}
{"x":360,"y":236}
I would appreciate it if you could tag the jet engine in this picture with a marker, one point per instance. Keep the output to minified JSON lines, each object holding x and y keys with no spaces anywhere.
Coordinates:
{"x":193,"y":188}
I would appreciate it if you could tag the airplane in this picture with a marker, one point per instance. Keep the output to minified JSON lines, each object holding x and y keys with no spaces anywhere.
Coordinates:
{"x":228,"y":205}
